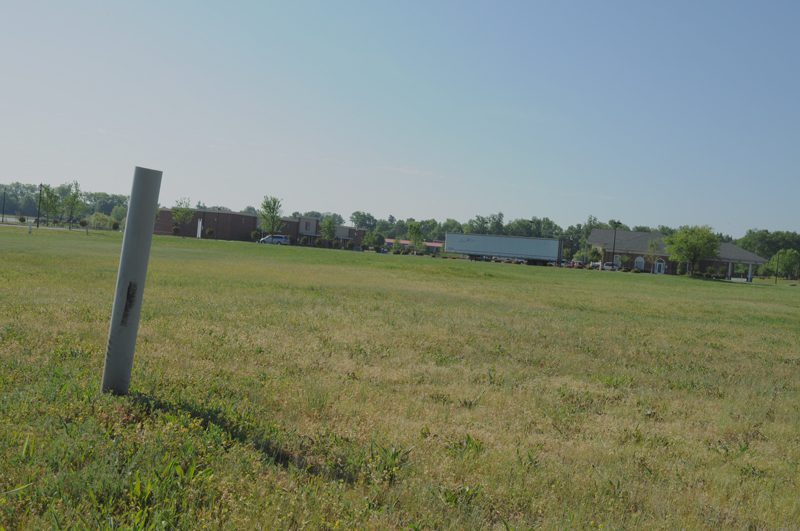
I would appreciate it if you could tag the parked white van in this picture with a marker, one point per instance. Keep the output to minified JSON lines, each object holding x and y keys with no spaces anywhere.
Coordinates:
{"x":277,"y":239}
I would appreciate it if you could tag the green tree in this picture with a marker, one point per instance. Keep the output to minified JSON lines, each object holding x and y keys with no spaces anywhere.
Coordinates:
{"x":384,"y":227}
{"x":51,"y":203}
{"x":270,"y":214}
{"x":785,"y":263}
{"x":452,"y":226}
{"x":363,"y":220}
{"x":327,"y":228}
{"x":691,"y":245}
{"x":182,"y":213}
{"x":119,"y":213}
{"x":373,"y":239}
{"x":496,"y":223}
{"x":415,"y":234}
{"x":666,"y":230}
{"x":766,"y":244}
{"x":73,"y":203}
{"x":519,"y":227}
{"x":477,"y":225}
{"x":545,"y":228}
{"x":617,"y":224}
{"x":337,"y":219}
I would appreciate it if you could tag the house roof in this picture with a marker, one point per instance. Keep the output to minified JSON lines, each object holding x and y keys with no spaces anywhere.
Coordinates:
{"x":637,"y":243}
{"x":627,"y":241}
{"x":729,"y":252}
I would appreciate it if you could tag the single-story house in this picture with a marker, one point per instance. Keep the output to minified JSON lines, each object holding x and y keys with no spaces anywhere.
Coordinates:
{"x":646,"y":251}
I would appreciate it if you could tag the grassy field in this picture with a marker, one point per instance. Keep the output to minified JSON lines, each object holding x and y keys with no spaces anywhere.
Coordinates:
{"x":294,"y":387}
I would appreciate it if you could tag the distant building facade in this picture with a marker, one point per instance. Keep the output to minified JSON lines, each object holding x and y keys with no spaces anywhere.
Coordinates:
{"x":646,"y":251}
{"x":225,"y":225}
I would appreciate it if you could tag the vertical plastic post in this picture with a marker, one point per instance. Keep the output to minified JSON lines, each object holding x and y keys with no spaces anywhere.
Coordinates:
{"x":130,"y":280}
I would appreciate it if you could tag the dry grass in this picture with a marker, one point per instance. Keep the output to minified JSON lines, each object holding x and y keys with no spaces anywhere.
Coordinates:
{"x":315,"y":388}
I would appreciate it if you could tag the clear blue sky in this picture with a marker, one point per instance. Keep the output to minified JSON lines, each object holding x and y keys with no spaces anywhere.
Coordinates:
{"x":650,"y":112}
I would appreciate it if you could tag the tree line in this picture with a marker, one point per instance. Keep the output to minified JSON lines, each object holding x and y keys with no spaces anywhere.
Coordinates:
{"x":67,"y":204}
{"x":63,"y":204}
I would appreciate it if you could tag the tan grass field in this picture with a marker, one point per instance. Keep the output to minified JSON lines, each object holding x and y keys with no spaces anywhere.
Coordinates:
{"x":285,"y":387}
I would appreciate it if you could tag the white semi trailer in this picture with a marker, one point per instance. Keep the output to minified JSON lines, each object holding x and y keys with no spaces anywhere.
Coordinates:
{"x":484,"y":246}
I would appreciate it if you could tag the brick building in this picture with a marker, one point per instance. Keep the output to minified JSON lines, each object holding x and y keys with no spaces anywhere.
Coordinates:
{"x":646,"y":251}
{"x":223,"y":225}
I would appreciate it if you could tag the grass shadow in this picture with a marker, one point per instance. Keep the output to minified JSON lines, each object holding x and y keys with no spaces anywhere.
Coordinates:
{"x":268,"y":441}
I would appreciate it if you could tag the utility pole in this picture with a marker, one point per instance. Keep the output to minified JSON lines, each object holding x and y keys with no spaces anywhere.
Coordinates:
{"x":4,"y":205}
{"x":39,"y":208}
{"x":614,"y":247}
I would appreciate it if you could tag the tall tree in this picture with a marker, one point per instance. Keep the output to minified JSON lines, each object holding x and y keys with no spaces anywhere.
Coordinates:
{"x":182,"y":213}
{"x":692,"y":244}
{"x":477,"y":225}
{"x":327,"y":228}
{"x":337,"y":219}
{"x":617,"y":224}
{"x":766,"y":244}
{"x":118,"y":213}
{"x":363,"y":220}
{"x":270,"y":214}
{"x":415,"y":234}
{"x":785,"y":263}
{"x":384,"y":226}
{"x":451,"y":225}
{"x":545,"y":228}
{"x":73,"y":203}
{"x":666,"y":230}
{"x":496,"y":225}
{"x":51,"y":203}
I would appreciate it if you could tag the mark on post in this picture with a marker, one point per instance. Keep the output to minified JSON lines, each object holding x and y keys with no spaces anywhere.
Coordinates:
{"x":130,"y":300}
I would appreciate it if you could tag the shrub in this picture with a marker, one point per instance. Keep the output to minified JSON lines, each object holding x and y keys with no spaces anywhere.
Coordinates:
{"x":22,"y":219}
{"x":209,"y":232}
{"x":255,"y":235}
{"x":83,"y":223}
{"x":304,"y":240}
{"x":115,"y":225}
{"x":175,"y":230}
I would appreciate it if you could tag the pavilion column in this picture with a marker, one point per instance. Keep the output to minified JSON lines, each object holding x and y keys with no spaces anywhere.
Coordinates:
{"x":730,"y":270}
{"x":750,"y":272}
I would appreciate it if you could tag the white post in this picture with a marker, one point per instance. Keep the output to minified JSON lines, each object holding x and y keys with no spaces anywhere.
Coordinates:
{"x":130,"y":280}
{"x":199,"y":228}
{"x":730,"y":270}
{"x":749,"y":272}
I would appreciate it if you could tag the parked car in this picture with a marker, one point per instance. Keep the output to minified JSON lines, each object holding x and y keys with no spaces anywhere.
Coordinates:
{"x":610,"y":266}
{"x":276,"y":239}
{"x":577,"y":264}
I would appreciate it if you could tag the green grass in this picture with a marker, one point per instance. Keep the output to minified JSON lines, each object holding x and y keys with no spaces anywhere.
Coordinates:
{"x":294,"y":387}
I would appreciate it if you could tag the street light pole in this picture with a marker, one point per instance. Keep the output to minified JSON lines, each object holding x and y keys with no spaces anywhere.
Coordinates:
{"x":39,"y":208}
{"x":614,"y":247}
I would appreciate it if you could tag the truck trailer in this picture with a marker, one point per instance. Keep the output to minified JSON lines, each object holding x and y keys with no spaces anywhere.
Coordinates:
{"x":487,"y":247}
